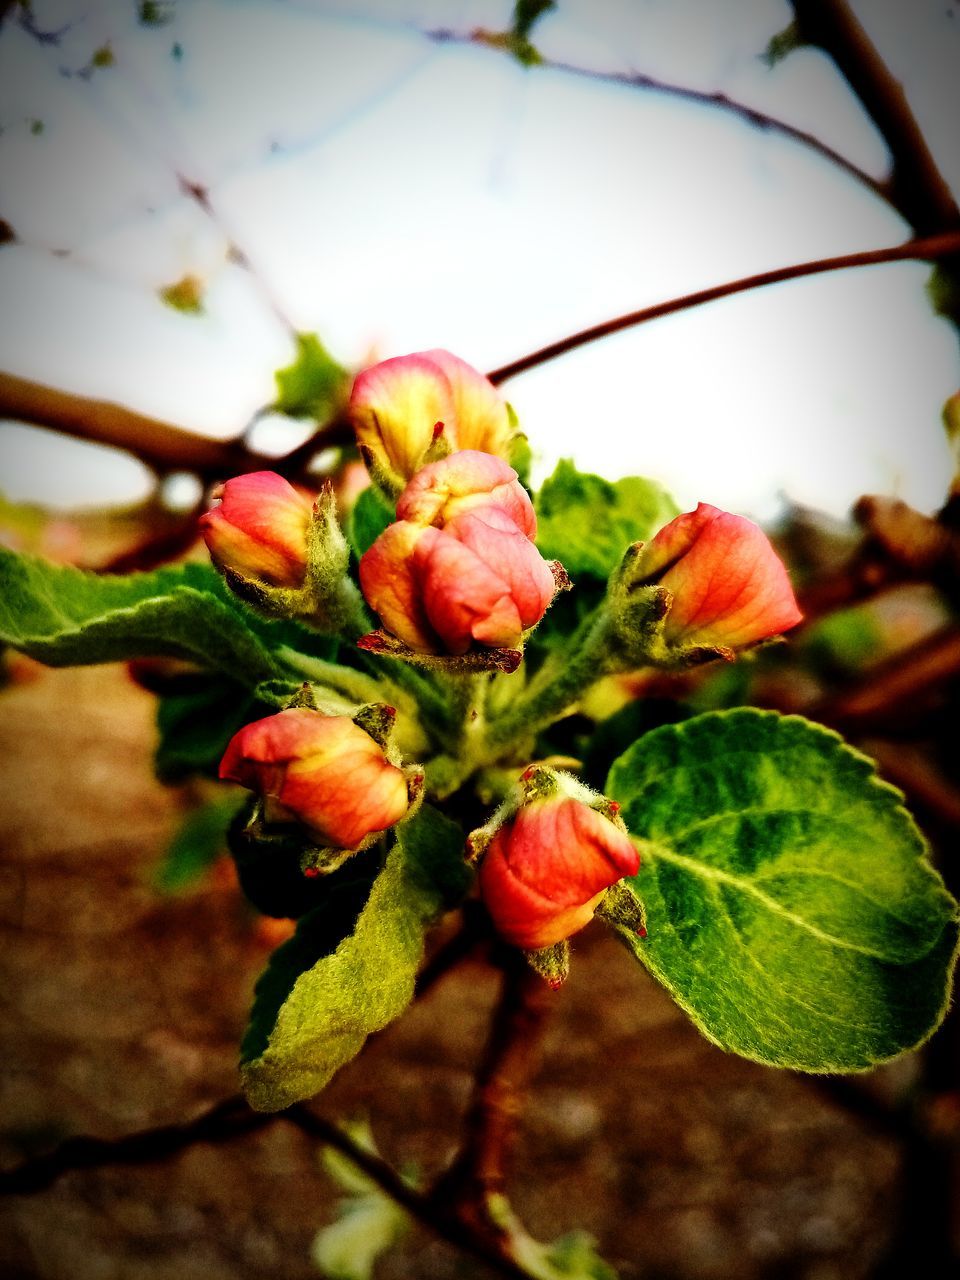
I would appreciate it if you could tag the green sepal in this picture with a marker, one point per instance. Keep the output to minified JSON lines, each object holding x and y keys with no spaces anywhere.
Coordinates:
{"x":790,"y":905}
{"x":551,"y":963}
{"x":327,"y":989}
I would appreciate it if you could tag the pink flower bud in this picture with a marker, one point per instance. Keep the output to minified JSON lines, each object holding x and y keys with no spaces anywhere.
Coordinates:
{"x":323,"y":771}
{"x":462,"y":481}
{"x":546,"y":869}
{"x":259,"y":530}
{"x":729,"y":586}
{"x":478,"y":579}
{"x":400,"y":406}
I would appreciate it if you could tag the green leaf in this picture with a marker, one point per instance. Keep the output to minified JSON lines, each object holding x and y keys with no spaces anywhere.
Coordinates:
{"x":322,"y":995}
{"x":367,"y":1227}
{"x":370,"y":515}
{"x":368,"y":1221}
{"x":791,"y":909}
{"x":314,"y":385}
{"x":587,"y":522}
{"x":195,"y":727}
{"x":202,"y":838}
{"x":66,"y":617}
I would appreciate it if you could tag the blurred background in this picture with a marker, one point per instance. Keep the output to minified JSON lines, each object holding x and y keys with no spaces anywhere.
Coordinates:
{"x":197,"y":194}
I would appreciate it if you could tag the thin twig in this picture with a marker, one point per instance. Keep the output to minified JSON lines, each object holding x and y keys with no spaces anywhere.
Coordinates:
{"x":927,"y":248}
{"x":701,"y":97}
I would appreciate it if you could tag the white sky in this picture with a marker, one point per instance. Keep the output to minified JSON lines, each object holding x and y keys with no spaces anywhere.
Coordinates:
{"x":395,"y":195}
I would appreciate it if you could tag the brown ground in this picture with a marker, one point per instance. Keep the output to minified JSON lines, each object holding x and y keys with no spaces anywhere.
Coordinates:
{"x":123,"y":1010}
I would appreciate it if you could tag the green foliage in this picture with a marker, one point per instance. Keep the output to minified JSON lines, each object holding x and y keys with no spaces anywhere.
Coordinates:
{"x":66,"y":617}
{"x":368,"y":1222}
{"x":197,"y":845}
{"x":314,"y":385}
{"x":316,"y":1003}
{"x":587,"y":522}
{"x":184,"y":295}
{"x":791,"y":909}
{"x":370,"y":515}
{"x":195,"y":727}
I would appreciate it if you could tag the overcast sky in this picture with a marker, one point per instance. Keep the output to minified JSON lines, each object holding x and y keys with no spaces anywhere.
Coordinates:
{"x":395,"y":194}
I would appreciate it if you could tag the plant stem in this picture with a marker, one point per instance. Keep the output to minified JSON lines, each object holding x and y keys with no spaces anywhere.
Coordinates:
{"x":554,"y":689}
{"x":471,"y":1192}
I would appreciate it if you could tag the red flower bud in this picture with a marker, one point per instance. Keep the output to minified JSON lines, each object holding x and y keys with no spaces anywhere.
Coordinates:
{"x":323,"y":771}
{"x":546,"y":869}
{"x":259,"y":530}
{"x":399,"y":406}
{"x":729,"y":586}
{"x":479,"y":578}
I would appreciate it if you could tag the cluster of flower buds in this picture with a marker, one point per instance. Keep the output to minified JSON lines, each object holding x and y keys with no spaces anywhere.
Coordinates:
{"x":329,"y":774}
{"x":548,"y":857}
{"x":709,"y":584}
{"x":457,"y":578}
{"x":459,"y":566}
{"x":412,"y":410}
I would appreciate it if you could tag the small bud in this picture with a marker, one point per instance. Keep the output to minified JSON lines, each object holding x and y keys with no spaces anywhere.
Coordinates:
{"x":549,"y":862}
{"x":259,"y":530}
{"x":322,"y":771}
{"x":409,"y":410}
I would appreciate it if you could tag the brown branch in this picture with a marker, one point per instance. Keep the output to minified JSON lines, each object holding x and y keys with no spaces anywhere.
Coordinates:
{"x":927,"y":248}
{"x":700,"y":97}
{"x":160,"y":445}
{"x":917,"y":187}
{"x":229,"y":1119}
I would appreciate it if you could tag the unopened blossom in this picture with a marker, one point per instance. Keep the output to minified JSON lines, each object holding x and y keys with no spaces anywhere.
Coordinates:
{"x":479,"y":579}
{"x":462,"y":482}
{"x":546,"y":869}
{"x":729,"y":586}
{"x":402,"y":406}
{"x":322,"y":771}
{"x":259,"y":529}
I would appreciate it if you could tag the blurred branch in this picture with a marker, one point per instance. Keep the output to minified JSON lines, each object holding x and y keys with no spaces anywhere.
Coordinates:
{"x":160,"y":445}
{"x":917,"y":189}
{"x":928,"y":248}
{"x":229,"y":1119}
{"x":653,"y":84}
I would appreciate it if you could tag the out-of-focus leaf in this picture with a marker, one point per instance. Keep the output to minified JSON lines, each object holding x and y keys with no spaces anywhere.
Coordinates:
{"x":314,"y":385}
{"x":202,"y":838}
